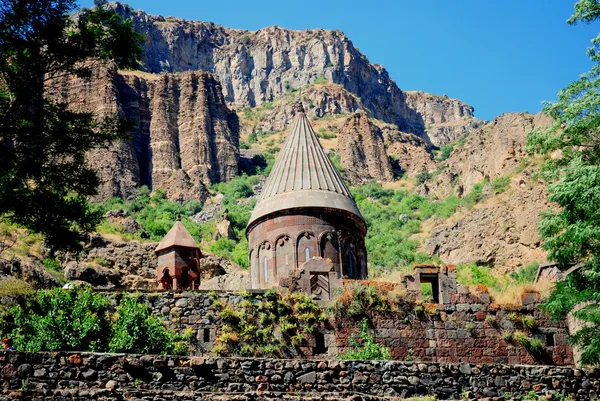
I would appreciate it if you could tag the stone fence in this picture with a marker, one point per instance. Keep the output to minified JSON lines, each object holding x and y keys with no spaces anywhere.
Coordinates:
{"x":469,"y":329}
{"x":91,"y":376}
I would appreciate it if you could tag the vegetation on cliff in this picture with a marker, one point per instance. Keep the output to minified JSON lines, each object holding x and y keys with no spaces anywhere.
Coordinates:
{"x":572,"y":234}
{"x":44,"y":180}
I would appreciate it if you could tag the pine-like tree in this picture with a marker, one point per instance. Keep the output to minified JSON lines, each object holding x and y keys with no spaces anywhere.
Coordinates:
{"x":44,"y":179}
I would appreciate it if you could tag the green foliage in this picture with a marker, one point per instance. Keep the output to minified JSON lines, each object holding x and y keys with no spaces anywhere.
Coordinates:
{"x":136,"y":330}
{"x":475,"y":196}
{"x":273,"y":325}
{"x":364,"y":347}
{"x":360,"y":301}
{"x":45,"y":179}
{"x":321,"y":79}
{"x":155,"y":213}
{"x":527,"y":274}
{"x":51,"y":264}
{"x":500,"y":184}
{"x":246,"y":39}
{"x":571,"y":233}
{"x":445,"y":151}
{"x":78,"y":320}
{"x":472,"y":274}
{"x":423,"y":177}
{"x":336,"y":161}
{"x":322,"y":133}
{"x":61,"y":320}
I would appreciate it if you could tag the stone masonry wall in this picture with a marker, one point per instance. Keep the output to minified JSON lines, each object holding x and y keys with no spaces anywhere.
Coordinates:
{"x":467,"y":330}
{"x":88,"y":376}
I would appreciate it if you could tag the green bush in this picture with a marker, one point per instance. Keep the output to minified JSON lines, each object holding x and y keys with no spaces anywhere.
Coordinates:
{"x":364,"y":347}
{"x":423,"y":177}
{"x":500,"y":184}
{"x":136,"y":330}
{"x":78,"y":320}
{"x":321,"y":79}
{"x":527,"y":274}
{"x":445,"y":151}
{"x":62,"y":320}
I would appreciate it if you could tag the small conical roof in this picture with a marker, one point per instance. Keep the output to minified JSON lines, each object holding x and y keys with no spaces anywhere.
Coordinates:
{"x":178,"y":235}
{"x":303,"y":176}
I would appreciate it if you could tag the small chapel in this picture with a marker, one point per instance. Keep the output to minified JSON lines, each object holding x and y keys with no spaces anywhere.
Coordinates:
{"x":305,"y":223}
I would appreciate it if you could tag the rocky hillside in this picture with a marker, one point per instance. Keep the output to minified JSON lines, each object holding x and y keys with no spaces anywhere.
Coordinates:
{"x":183,"y":135}
{"x":208,"y":91}
{"x":502,"y":230}
{"x":256,"y":67}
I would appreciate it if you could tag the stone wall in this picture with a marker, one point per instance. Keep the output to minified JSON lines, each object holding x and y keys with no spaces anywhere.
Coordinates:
{"x":87,"y":376}
{"x":469,"y":329}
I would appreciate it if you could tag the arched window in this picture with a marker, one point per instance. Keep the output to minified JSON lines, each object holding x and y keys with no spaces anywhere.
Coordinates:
{"x":307,"y":253}
{"x":351,"y":266}
{"x":266,"y":269}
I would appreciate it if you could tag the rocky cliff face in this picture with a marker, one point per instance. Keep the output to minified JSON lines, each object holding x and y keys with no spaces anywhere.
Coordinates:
{"x":183,"y":136}
{"x":495,"y":150}
{"x":258,"y":67}
{"x":362,"y":151}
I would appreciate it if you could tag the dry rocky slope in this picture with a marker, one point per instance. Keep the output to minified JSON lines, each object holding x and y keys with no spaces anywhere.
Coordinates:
{"x":183,"y":135}
{"x":502,"y":231}
{"x":255,"y":67}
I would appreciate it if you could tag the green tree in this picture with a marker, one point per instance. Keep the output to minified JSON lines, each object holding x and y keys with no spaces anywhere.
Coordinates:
{"x":61,"y":320}
{"x":44,"y":180}
{"x":136,"y":330}
{"x":572,"y":234}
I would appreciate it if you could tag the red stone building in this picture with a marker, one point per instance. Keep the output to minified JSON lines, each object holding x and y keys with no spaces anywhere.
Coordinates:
{"x":304,"y":211}
{"x":178,"y":259}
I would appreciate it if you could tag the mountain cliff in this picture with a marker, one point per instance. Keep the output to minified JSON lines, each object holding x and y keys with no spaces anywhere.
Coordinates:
{"x":183,"y":135}
{"x":256,"y":67}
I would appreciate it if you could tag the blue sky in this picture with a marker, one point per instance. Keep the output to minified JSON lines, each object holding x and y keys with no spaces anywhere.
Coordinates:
{"x":496,"y":55}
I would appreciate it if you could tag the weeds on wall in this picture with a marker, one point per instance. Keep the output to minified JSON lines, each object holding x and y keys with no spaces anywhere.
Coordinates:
{"x":268,"y":325}
{"x":364,"y":347}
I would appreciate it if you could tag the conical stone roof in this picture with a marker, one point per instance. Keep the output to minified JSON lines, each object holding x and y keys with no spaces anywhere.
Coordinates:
{"x":178,"y":235}
{"x":303,"y":176}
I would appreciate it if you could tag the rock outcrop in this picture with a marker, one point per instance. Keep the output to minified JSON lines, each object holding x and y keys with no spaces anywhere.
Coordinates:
{"x":362,"y":151}
{"x":445,"y":119}
{"x":320,"y":100}
{"x":183,"y":135}
{"x":412,"y":153}
{"x":495,"y":150}
{"x":258,"y":67}
{"x":502,"y":234}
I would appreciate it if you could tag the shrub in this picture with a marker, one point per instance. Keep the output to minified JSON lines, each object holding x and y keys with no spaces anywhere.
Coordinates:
{"x":51,"y":264}
{"x":78,"y":320}
{"x":475,"y":195}
{"x":364,"y":347}
{"x":321,"y":79}
{"x":445,"y":151}
{"x":136,"y":330}
{"x":527,"y":274}
{"x":359,"y":300}
{"x":62,"y":320}
{"x":423,"y":177}
{"x":500,"y":184}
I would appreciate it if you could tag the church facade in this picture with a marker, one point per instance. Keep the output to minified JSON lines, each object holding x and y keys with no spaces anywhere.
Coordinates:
{"x":304,"y":212}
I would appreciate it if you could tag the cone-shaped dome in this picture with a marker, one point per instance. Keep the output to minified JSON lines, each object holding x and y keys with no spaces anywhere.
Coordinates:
{"x":303,"y":176}
{"x":178,"y":235}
